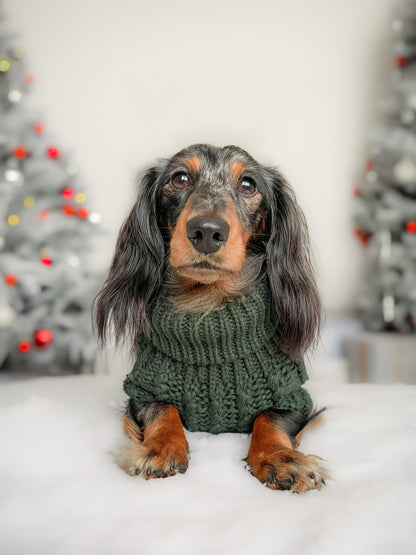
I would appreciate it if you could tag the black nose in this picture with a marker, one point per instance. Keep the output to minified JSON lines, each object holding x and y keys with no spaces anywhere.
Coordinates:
{"x":207,"y":234}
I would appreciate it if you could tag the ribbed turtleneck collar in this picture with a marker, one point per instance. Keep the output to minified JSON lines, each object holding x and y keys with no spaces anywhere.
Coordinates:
{"x":235,"y":330}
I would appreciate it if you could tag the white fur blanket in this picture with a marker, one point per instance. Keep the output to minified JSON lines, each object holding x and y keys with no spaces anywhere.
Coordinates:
{"x":61,"y":493}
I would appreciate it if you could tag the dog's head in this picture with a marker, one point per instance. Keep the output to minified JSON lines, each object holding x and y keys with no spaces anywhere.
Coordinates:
{"x":212,"y":207}
{"x":205,"y":224}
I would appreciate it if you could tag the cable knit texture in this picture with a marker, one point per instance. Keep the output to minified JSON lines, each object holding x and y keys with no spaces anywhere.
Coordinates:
{"x":221,"y":369}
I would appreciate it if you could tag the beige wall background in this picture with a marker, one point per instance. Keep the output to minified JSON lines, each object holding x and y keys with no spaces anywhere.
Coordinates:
{"x":292,"y":81}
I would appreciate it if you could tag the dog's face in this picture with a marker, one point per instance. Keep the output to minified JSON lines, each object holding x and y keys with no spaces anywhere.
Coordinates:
{"x":206,"y":224}
{"x":212,"y":207}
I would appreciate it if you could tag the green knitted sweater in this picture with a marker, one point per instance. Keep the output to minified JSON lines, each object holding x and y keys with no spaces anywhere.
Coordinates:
{"x":221,"y":369}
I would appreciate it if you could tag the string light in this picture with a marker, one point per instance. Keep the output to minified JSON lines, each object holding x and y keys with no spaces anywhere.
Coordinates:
{"x":13,"y":176}
{"x":15,"y":95}
{"x":72,"y":168}
{"x":38,"y":128}
{"x":95,"y":217}
{"x":73,"y":261}
{"x":7,"y":315}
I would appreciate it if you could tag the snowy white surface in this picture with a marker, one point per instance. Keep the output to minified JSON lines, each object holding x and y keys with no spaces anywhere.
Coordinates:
{"x":61,"y":493}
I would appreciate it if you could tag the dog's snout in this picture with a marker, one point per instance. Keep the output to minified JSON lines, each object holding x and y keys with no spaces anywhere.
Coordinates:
{"x":207,"y":234}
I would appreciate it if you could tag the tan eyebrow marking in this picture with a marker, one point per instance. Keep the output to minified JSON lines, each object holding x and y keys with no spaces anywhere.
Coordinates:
{"x":194,"y":164}
{"x":237,"y":168}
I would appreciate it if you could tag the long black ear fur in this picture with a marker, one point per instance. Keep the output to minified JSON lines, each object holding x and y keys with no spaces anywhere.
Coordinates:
{"x":136,"y":271}
{"x":290,"y":270}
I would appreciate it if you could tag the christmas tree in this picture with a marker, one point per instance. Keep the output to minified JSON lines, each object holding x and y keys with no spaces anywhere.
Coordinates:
{"x":46,"y":284}
{"x":385,"y":216}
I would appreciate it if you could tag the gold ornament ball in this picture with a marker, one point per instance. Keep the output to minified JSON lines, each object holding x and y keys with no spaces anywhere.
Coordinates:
{"x":80,"y":198}
{"x":18,"y":53}
{"x":5,"y":65}
{"x":13,"y":219}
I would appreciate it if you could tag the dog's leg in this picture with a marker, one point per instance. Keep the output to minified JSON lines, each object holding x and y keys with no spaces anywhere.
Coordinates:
{"x":272,"y":457}
{"x":159,"y":445}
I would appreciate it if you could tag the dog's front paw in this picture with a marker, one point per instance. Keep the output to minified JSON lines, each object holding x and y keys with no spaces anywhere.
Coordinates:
{"x":154,"y":459}
{"x":287,"y":469}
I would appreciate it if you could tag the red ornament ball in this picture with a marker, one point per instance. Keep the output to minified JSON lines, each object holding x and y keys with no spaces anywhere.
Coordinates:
{"x":53,"y":152}
{"x":357,"y":191}
{"x":83,"y":213}
{"x":369,"y":165}
{"x":67,"y":193}
{"x":362,"y":236}
{"x":25,"y":346}
{"x":20,"y":152}
{"x":43,"y":338}
{"x":68,"y":210}
{"x":29,"y":78}
{"x":411,"y":227}
{"x":44,"y":214}
{"x":400,"y":61}
{"x":38,"y":127}
{"x":10,"y":279}
{"x":46,"y":261}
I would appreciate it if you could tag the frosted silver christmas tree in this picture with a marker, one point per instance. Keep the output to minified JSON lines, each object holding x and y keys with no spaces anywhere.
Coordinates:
{"x":46,"y":284}
{"x":385,"y":217}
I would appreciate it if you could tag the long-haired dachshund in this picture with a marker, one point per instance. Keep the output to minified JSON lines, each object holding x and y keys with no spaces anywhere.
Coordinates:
{"x":212,"y":285}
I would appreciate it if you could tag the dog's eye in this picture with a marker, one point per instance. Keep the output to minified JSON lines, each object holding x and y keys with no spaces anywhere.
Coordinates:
{"x":246,"y":186}
{"x":180,"y":181}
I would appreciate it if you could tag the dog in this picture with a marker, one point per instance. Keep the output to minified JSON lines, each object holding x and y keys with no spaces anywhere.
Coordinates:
{"x":212,"y":285}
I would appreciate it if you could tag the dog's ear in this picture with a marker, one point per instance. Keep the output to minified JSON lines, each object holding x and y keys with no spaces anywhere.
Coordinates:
{"x":290,"y":270}
{"x":136,"y":271}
